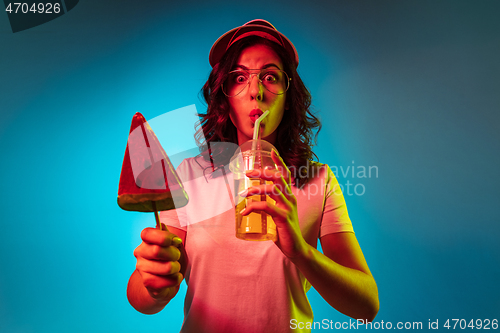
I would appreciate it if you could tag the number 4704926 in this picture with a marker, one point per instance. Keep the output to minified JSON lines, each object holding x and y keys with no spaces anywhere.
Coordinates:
{"x":484,"y":324}
{"x":40,"y":8}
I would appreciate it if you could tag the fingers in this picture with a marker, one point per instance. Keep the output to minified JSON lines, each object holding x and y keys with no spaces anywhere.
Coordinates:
{"x":272,"y":190}
{"x":273,"y":175}
{"x":156,"y":252}
{"x":158,"y":267}
{"x":279,"y":190}
{"x":157,"y":284}
{"x":160,"y":237}
{"x":270,"y":174}
{"x":276,"y":212}
{"x":158,"y":245}
{"x":281,"y":166}
{"x":274,"y":193}
{"x":159,"y":276}
{"x":158,"y":261}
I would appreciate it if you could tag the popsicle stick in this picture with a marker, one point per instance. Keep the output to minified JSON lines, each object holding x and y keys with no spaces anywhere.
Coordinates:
{"x":157,"y":217}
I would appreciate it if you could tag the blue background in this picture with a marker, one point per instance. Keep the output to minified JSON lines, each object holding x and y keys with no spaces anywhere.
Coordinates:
{"x":411,"y":87}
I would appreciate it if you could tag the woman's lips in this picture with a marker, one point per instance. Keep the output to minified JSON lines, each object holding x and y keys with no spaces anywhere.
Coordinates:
{"x":255,"y":114}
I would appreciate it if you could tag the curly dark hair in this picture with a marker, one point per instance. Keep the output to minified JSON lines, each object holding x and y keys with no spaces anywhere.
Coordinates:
{"x":295,"y":134}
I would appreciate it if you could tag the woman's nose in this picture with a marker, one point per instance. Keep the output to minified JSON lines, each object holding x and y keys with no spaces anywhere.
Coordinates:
{"x":256,"y":89}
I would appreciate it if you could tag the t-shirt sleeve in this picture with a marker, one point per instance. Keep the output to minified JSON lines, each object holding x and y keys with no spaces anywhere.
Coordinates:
{"x":335,"y":217}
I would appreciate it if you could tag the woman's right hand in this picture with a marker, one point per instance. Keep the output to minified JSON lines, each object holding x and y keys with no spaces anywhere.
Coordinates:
{"x":158,"y":263}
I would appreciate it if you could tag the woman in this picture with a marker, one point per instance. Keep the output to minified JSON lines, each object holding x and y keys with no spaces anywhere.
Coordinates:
{"x":242,"y":286}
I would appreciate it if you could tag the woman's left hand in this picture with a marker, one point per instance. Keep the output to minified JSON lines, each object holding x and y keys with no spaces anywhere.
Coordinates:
{"x":284,"y":212}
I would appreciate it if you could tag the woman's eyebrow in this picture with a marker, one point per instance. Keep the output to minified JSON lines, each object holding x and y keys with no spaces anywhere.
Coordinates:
{"x":263,"y":67}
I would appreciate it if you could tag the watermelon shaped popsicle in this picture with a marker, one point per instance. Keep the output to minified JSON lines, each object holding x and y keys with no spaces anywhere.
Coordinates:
{"x":148,"y":181}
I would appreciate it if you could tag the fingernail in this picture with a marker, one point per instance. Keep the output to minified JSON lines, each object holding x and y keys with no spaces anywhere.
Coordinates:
{"x":243,"y":193}
{"x":243,"y":211}
{"x":176,"y":241}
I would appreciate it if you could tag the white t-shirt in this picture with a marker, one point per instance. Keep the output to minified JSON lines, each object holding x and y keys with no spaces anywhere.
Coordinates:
{"x":247,"y":286}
